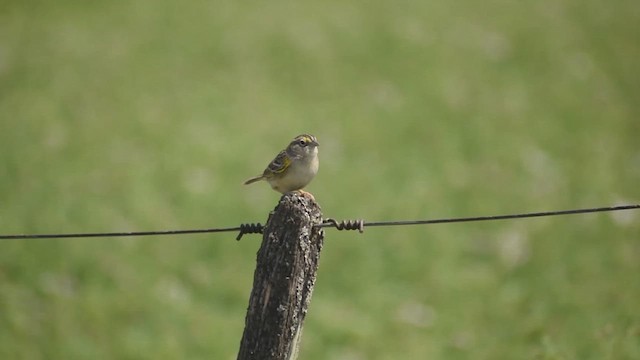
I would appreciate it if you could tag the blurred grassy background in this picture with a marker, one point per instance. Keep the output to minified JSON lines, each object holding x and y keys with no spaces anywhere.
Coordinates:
{"x":147,"y":115}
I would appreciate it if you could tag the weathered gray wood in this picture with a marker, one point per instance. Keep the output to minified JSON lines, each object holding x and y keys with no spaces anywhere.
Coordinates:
{"x":283,"y":280}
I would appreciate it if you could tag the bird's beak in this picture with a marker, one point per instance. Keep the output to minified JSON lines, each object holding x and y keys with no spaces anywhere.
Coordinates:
{"x":315,"y":142}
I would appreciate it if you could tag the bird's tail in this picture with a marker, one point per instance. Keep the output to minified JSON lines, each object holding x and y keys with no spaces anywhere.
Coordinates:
{"x":254,"y":179}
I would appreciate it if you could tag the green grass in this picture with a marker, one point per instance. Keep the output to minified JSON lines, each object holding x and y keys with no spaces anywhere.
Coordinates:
{"x":125,"y":116}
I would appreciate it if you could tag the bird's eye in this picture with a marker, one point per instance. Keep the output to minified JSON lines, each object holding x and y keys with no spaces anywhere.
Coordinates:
{"x":302,"y":142}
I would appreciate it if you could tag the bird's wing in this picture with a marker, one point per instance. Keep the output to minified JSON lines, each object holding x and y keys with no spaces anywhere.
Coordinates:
{"x":279,"y":164}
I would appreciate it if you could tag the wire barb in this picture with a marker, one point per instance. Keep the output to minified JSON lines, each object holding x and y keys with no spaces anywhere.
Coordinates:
{"x":251,"y":228}
{"x":345,"y":224}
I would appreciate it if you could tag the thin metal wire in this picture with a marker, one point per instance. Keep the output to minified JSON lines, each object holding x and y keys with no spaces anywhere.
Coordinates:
{"x":360,"y":224}
{"x":257,"y":228}
{"x":242,"y":229}
{"x":117,"y":234}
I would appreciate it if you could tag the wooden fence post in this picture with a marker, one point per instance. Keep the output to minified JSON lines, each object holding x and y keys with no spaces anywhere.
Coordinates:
{"x":283,"y":280}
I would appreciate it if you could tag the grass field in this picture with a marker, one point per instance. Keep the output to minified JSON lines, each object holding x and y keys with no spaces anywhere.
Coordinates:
{"x":148,"y":115}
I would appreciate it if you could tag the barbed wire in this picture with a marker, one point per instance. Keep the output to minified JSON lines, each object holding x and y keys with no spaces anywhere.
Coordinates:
{"x":257,"y":228}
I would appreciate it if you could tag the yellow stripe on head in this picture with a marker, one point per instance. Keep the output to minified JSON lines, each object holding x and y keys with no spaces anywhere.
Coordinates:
{"x":307,"y":138}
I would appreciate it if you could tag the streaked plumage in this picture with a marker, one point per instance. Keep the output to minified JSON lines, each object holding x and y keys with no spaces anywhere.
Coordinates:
{"x":294,"y":167}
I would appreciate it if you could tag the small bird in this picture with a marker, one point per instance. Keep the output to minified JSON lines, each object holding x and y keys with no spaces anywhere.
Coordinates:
{"x":294,"y":167}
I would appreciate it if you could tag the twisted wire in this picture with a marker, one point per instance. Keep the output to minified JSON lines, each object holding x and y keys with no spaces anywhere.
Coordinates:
{"x":344,"y":224}
{"x":251,"y":228}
